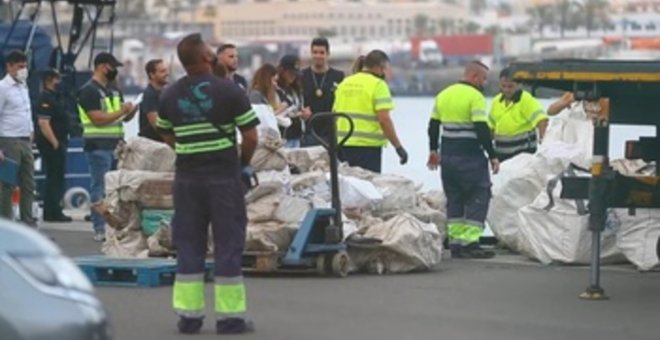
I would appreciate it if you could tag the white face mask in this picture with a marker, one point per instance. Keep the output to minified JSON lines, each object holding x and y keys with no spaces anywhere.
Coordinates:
{"x":22,"y":75}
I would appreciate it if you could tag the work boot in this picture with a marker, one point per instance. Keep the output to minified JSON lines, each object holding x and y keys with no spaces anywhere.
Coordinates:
{"x":190,"y":325}
{"x":474,"y":251}
{"x":234,"y":326}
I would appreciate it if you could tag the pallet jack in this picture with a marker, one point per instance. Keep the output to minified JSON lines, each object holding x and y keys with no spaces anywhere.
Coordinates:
{"x":318,"y":244}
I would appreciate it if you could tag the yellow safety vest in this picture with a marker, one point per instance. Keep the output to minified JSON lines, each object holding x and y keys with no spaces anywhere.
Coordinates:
{"x":114,"y":130}
{"x":457,"y":108}
{"x":360,"y":96}
{"x":514,"y":123}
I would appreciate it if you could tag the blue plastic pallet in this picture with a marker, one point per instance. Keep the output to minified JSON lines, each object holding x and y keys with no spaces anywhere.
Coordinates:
{"x":128,"y":272}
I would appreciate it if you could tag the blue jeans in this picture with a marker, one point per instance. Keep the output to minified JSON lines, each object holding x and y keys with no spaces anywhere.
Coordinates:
{"x":292,"y":143}
{"x":100,"y":162}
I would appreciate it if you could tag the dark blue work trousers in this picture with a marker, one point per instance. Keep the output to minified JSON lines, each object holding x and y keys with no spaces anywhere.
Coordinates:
{"x":200,"y":200}
{"x":466,"y":182}
{"x":365,"y":157}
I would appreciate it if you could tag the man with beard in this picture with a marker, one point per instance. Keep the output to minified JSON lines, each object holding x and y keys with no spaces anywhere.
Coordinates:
{"x":102,"y":110}
{"x":228,"y":56}
{"x":158,"y":75}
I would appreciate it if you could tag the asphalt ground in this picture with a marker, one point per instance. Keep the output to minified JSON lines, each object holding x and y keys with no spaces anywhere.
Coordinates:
{"x":506,"y":298}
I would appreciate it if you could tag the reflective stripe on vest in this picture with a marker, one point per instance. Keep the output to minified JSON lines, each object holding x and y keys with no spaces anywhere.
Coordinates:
{"x":507,"y":145}
{"x":114,"y":130}
{"x":459,"y":131}
{"x":202,"y":138}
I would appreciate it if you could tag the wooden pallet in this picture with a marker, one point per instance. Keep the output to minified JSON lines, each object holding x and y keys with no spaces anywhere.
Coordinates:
{"x":132,"y":272}
{"x":261,"y":261}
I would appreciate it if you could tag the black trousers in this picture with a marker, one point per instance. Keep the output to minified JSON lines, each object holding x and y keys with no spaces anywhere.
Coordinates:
{"x":368,"y":158}
{"x":54,"y":162}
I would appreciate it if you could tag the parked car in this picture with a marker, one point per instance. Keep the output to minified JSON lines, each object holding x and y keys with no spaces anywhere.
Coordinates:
{"x":43,"y":294}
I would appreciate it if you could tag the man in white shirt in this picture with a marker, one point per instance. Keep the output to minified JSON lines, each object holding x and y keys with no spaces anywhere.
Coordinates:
{"x":16,"y":133}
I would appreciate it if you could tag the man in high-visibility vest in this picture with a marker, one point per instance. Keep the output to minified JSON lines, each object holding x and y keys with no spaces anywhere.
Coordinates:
{"x":198,"y":115}
{"x":365,"y":97}
{"x":102,"y":110}
{"x":515,"y":117}
{"x":461,"y":110}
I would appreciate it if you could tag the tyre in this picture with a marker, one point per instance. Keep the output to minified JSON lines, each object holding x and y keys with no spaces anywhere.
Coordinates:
{"x":76,"y":198}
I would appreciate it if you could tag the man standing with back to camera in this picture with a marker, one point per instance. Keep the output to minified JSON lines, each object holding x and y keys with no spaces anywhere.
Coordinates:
{"x":319,"y":82}
{"x":198,"y":115}
{"x":461,"y":110}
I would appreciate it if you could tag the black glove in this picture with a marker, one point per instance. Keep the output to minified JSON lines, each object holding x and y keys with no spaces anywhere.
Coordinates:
{"x":403,"y":155}
{"x":249,"y":177}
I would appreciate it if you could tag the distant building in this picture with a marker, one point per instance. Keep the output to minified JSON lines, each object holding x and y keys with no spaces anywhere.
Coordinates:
{"x":263,"y":20}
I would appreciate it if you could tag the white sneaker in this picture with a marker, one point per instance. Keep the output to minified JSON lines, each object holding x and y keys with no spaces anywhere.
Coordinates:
{"x":99,"y":237}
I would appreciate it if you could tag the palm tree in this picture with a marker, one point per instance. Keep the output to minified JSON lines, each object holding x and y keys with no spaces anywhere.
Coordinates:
{"x":445,"y":25}
{"x":472,"y":27}
{"x":477,"y":6}
{"x":421,"y":23}
{"x":504,"y":9}
{"x":542,"y":16}
{"x":596,"y":15}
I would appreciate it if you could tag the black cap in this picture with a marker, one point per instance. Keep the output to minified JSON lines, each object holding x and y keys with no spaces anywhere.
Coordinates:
{"x":106,"y":58}
{"x":291,"y":62}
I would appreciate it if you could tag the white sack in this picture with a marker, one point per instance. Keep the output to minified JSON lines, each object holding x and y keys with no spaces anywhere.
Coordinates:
{"x":124,"y":243}
{"x":292,"y":209}
{"x":638,"y":237}
{"x":307,"y":158}
{"x":357,"y":193}
{"x":269,"y":236}
{"x":406,"y":245}
{"x":268,"y":155}
{"x":399,"y":193}
{"x":556,"y":230}
{"x":139,"y":153}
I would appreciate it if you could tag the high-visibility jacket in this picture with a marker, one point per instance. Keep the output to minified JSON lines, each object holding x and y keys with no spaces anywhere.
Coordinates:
{"x":514,"y":123}
{"x":361,"y":96}
{"x":113,"y":130}
{"x":458,"y":108}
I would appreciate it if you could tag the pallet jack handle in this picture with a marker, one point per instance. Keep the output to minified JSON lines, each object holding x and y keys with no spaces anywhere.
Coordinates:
{"x":333,"y":147}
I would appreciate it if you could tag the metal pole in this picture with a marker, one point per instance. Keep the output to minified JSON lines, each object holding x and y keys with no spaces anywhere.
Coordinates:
{"x":334,"y":179}
{"x":33,"y":29}
{"x":598,"y":198}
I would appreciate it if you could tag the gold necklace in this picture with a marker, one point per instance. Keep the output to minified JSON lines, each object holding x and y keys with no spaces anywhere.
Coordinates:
{"x":319,"y":88}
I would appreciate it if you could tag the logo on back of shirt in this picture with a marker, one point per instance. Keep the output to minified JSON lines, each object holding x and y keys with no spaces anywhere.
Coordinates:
{"x":196,"y":104}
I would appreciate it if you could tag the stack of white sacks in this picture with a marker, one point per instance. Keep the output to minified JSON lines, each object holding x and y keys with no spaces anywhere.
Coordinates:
{"x":528,"y":216}
{"x":407,"y":224}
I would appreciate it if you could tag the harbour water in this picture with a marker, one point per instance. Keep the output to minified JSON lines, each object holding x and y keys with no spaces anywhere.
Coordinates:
{"x":411,"y":116}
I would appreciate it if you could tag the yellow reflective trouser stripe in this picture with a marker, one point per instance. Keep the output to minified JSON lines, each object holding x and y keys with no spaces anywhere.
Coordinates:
{"x":188,"y":295}
{"x":230,"y":300}
{"x":471,"y":234}
{"x":464,"y":233}
{"x":455,"y":232}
